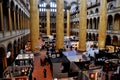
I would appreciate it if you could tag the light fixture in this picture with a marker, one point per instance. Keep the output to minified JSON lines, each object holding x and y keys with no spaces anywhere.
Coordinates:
{"x":92,"y":75}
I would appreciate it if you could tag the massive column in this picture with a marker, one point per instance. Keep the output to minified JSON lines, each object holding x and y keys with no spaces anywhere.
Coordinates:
{"x":103,"y":24}
{"x":68,"y":21}
{"x":34,"y":23}
{"x":60,"y":24}
{"x":48,"y":19}
{"x":83,"y":25}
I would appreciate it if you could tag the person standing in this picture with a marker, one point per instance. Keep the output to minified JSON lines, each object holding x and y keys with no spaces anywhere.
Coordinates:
{"x":45,"y":71}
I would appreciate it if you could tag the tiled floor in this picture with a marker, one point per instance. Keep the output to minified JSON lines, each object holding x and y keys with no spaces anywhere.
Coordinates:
{"x":38,"y":69}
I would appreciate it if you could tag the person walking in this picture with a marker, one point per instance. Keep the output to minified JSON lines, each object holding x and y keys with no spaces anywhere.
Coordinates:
{"x":45,"y":71}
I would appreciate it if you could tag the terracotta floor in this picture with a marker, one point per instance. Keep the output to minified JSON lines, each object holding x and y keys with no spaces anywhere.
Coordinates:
{"x":38,"y":69}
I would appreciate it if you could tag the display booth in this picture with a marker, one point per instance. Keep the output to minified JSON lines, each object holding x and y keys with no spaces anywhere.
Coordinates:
{"x":17,"y":73}
{"x":21,"y":69}
{"x":24,"y":59}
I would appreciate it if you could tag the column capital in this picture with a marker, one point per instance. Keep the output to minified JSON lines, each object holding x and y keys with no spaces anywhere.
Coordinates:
{"x":48,"y":6}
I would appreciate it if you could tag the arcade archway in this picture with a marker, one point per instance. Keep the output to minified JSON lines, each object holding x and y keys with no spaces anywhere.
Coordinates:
{"x":3,"y":64}
{"x":9,"y":54}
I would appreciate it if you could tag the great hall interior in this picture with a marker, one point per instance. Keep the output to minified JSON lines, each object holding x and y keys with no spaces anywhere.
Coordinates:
{"x":59,"y":39}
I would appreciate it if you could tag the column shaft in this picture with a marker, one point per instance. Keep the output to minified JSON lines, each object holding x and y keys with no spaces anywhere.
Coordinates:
{"x":25,"y":23}
{"x":83,"y":25}
{"x":18,"y":21}
{"x":93,"y":25}
{"x":68,"y":23}
{"x":15,"y":20}
{"x":60,"y":25}
{"x":34,"y":23}
{"x":97,"y":23}
{"x":103,"y":24}
{"x":1,"y":14}
{"x":89,"y":24}
{"x":10,"y":22}
{"x":21,"y":21}
{"x":48,"y":22}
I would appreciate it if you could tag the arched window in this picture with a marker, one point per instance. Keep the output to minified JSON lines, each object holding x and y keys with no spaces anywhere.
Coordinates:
{"x":111,"y":6}
{"x":96,"y":10}
{"x":91,"y":12}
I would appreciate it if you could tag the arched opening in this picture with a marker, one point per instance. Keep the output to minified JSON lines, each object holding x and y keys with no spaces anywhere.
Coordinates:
{"x":115,"y":41}
{"x":117,"y":22}
{"x":22,"y":43}
{"x":110,"y":22}
{"x":87,"y":36}
{"x":111,"y":6}
{"x":9,"y":54}
{"x":90,"y":37}
{"x":93,"y":37}
{"x":25,"y":40}
{"x":91,"y":12}
{"x":96,"y":10}
{"x":19,"y":45}
{"x":2,"y":61}
{"x":15,"y":49}
{"x":108,"y":40}
{"x":90,"y":23}
{"x":97,"y":26}
{"x":87,"y":24}
{"x":96,"y":37}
